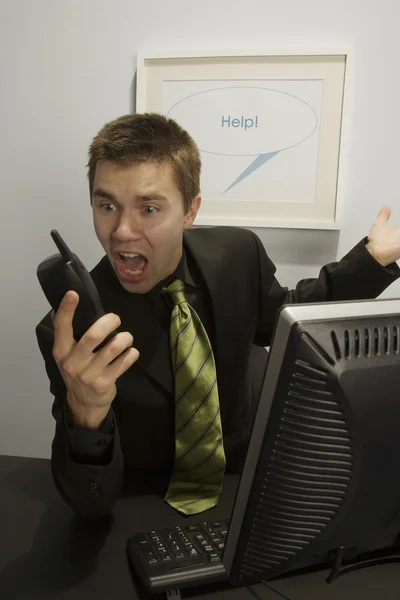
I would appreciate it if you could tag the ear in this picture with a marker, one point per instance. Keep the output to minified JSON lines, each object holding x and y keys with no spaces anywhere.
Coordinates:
{"x":190,"y":216}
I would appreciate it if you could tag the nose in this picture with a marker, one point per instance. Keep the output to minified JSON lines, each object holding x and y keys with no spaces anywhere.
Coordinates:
{"x":127,"y":228}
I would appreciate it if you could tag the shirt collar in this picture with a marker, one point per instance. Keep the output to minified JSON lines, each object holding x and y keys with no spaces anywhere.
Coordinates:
{"x":181,"y":272}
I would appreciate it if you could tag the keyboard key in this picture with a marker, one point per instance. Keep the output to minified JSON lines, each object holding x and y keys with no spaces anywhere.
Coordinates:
{"x":148,"y":553}
{"x":216,"y":524}
{"x":214,"y":557}
{"x":152,"y":559}
{"x":166,"y":558}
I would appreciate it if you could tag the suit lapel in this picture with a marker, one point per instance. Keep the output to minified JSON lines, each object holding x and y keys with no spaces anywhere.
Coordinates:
{"x":208,"y":255}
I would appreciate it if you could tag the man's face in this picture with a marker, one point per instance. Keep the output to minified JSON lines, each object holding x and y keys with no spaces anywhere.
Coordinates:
{"x":139,"y":219}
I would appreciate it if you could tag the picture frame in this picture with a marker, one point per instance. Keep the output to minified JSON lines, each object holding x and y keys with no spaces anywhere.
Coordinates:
{"x":272,"y":128}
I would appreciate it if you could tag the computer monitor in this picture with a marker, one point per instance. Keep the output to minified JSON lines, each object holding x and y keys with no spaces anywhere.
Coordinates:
{"x":321,"y":478}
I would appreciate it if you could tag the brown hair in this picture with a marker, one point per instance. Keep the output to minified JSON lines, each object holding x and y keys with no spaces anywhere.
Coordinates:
{"x":149,"y":137}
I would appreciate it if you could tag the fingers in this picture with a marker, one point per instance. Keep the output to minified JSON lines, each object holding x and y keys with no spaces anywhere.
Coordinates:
{"x":384,"y":215}
{"x":111,"y":351}
{"x":62,"y":323}
{"x":122,"y":363}
{"x":83,"y":350}
{"x":78,"y":362}
{"x":104,"y":367}
{"x":99,"y":331}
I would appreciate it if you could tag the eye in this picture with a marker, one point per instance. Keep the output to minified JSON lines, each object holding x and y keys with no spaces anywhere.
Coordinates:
{"x":150,"y":210}
{"x":107,"y":206}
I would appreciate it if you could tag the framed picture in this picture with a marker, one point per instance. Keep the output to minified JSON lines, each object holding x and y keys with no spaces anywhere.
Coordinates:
{"x":271,"y":128}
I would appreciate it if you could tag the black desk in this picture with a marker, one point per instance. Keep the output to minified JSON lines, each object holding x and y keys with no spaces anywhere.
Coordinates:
{"x":48,"y":553}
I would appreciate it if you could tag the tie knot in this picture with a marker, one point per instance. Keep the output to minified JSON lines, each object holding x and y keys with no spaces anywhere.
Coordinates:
{"x":176,"y":291}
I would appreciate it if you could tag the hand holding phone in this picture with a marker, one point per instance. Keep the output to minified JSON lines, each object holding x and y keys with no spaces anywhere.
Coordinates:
{"x":90,"y":377}
{"x":89,"y":351}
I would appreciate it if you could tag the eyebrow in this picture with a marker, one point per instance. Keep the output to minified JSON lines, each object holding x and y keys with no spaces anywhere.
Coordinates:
{"x":150,"y":197}
{"x":98,"y":192}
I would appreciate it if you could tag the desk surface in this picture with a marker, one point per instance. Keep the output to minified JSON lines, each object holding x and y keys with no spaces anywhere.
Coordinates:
{"x":47,"y":553}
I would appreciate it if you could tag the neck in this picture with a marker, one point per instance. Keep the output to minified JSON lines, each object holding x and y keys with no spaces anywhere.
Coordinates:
{"x":175,"y":262}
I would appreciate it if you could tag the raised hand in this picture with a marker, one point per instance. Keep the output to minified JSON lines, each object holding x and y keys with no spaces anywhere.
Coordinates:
{"x":384,"y":239}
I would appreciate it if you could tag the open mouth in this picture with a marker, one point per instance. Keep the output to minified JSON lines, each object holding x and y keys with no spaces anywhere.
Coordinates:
{"x":130,"y":265}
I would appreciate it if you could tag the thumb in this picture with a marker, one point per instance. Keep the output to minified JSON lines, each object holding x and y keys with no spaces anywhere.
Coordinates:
{"x":384,"y":215}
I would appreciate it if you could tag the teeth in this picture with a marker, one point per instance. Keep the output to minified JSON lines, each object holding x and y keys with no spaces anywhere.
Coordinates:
{"x":129,"y":254}
{"x":138,"y":272}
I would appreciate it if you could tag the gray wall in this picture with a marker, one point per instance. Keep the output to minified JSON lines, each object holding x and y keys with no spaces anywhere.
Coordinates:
{"x":68,"y":66}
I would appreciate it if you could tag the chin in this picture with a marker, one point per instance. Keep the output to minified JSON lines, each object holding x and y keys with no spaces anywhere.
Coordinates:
{"x":136,"y":288}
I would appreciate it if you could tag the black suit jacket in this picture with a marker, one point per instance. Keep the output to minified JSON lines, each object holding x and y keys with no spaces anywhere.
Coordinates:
{"x":245,"y":297}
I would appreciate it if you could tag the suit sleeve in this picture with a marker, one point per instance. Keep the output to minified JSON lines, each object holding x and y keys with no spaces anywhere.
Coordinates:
{"x":87,"y":466}
{"x":357,"y":276}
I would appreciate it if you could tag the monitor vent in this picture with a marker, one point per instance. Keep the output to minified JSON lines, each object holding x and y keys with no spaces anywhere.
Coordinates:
{"x":366,"y":342}
{"x":307,"y":474}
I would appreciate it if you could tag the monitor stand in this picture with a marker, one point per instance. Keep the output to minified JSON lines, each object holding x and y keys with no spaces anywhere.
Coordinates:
{"x":173,"y":595}
{"x":368,"y":559}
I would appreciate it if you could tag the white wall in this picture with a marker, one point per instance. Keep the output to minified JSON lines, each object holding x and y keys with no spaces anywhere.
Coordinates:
{"x":68,"y":66}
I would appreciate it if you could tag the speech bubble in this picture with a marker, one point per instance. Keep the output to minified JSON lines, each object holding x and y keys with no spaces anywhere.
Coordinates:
{"x":249,"y":121}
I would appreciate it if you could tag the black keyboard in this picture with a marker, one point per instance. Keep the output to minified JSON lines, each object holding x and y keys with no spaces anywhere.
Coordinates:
{"x":181,"y":546}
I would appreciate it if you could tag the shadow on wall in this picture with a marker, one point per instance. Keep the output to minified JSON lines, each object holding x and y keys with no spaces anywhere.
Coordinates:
{"x":132,"y":94}
{"x":300,"y":246}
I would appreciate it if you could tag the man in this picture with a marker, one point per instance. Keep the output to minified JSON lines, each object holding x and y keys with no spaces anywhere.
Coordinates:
{"x":168,"y":402}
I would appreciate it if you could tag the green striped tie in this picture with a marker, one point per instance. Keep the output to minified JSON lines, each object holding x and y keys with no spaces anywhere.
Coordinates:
{"x":199,"y":452}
